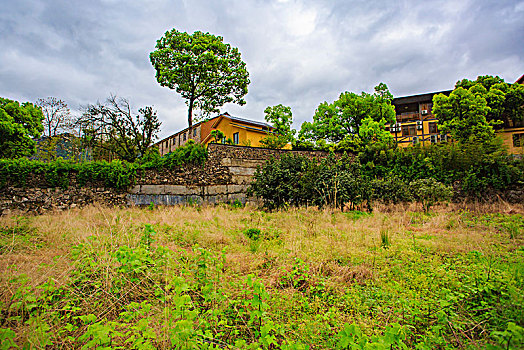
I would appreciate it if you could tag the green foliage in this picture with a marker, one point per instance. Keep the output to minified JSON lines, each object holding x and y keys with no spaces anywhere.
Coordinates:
{"x":190,"y":153}
{"x":294,"y":180}
{"x":281,"y":118}
{"x":385,"y":238}
{"x":278,"y":181}
{"x":391,"y":190}
{"x":217,"y":135}
{"x":472,"y":167}
{"x":7,"y":337}
{"x":430,"y":191}
{"x":206,"y":72}
{"x":372,"y":131}
{"x":344,"y":116}
{"x":463,"y":115}
{"x":252,"y":233}
{"x":19,"y":125}
{"x":116,"y":174}
{"x":505,"y":101}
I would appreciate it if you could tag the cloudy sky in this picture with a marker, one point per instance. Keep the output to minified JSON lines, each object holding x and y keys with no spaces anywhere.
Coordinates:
{"x":298,"y":52}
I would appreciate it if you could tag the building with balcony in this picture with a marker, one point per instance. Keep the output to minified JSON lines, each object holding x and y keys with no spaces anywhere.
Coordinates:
{"x":415,"y":120}
{"x":417,"y":124}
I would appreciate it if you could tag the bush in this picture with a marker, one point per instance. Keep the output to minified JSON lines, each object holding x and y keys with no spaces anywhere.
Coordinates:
{"x":279,"y":181}
{"x":391,"y":190}
{"x":474,"y":166}
{"x":116,"y":174}
{"x":429,"y":192}
{"x":190,"y":153}
{"x":295,"y":180}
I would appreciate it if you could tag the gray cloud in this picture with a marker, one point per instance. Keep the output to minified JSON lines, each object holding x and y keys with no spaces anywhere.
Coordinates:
{"x":299,"y":53}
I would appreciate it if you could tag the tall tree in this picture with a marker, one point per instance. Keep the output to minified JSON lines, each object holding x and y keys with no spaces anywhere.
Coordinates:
{"x":57,"y":116}
{"x":19,"y":124}
{"x":333,"y":121}
{"x":203,"y":69}
{"x":475,"y":107}
{"x":281,"y":118}
{"x":505,"y":101}
{"x":463,"y":115}
{"x":112,"y":126}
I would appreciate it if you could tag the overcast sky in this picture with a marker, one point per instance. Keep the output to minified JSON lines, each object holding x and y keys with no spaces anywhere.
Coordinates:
{"x":298,"y":53}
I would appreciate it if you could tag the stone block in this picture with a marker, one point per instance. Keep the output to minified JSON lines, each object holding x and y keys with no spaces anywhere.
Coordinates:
{"x":152,"y":189}
{"x":247,"y":163}
{"x":176,"y":189}
{"x":242,"y":171}
{"x":241,"y":180}
{"x":225,"y":161}
{"x":237,"y":188}
{"x":216,"y":189}
{"x":135,"y":189}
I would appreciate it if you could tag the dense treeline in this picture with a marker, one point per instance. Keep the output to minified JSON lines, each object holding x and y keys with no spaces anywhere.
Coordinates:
{"x":475,"y":161}
{"x":424,"y":174}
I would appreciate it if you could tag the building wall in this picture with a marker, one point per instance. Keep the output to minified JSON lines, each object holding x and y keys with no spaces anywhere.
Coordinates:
{"x":247,"y":137}
{"x":507,"y":136}
{"x":423,"y":134}
{"x":409,"y":113}
{"x":173,"y":142}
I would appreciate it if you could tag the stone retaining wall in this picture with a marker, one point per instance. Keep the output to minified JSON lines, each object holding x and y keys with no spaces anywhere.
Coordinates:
{"x":225,"y":177}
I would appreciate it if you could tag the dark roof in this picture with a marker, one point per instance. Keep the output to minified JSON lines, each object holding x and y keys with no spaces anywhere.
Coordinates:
{"x":520,"y":80}
{"x":427,"y":97}
{"x":253,"y":122}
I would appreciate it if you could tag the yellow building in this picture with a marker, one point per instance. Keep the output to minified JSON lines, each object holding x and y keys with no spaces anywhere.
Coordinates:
{"x":239,"y":131}
{"x":417,"y":124}
{"x":415,"y":120}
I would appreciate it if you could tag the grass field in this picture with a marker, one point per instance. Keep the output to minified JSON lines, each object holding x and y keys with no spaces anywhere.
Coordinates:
{"x":223,"y":277}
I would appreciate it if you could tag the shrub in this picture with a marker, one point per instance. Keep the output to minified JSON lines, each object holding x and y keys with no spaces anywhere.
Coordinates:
{"x":295,"y":180}
{"x":279,"y":181}
{"x":190,"y":153}
{"x":115,"y":174}
{"x":390,"y":190}
{"x":252,"y":233}
{"x":429,"y":192}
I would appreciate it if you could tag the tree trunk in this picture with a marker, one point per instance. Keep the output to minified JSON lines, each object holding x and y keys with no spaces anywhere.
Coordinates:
{"x":190,"y":118}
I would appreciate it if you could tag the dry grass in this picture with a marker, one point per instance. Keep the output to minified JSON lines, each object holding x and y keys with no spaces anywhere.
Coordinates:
{"x":316,"y":236}
{"x":342,"y":249}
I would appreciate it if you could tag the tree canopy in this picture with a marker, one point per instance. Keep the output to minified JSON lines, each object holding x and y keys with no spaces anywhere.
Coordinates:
{"x":19,"y":124}
{"x":113,"y":127}
{"x":281,"y":118}
{"x":202,"y":68}
{"x":333,"y":121}
{"x":475,"y":107}
{"x":463,"y":115}
{"x":505,"y":101}
{"x":57,"y":116}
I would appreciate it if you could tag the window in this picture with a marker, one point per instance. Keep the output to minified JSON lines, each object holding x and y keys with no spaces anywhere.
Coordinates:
{"x":518,"y":140}
{"x":194,"y":132}
{"x":224,"y":140}
{"x":409,"y":130}
{"x":433,"y":128}
{"x":235,"y":138}
{"x":184,"y":136}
